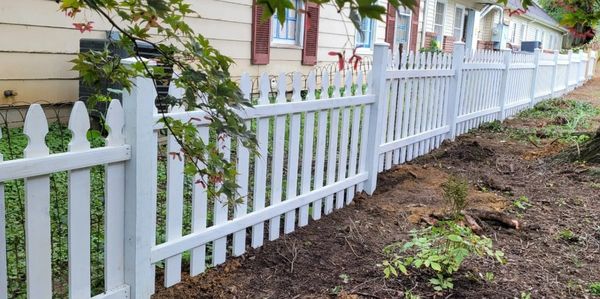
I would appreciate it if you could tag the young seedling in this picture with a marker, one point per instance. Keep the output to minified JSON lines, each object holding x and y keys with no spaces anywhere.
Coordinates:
{"x":568,"y":235}
{"x":522,"y":203}
{"x":595,"y":288}
{"x":455,"y":192}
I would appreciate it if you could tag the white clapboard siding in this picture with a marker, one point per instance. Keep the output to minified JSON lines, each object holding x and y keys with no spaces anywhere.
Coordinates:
{"x":37,"y":209}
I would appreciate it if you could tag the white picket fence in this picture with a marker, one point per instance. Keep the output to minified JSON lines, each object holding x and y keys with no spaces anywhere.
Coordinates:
{"x":315,"y":153}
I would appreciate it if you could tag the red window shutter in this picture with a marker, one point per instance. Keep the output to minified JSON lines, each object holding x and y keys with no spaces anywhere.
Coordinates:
{"x":311,"y":34}
{"x":390,"y":25}
{"x":261,"y":36}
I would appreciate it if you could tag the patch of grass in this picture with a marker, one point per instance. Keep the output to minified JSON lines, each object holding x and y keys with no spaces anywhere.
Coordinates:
{"x":522,"y":203}
{"x":595,"y":288}
{"x":494,"y":126}
{"x":568,"y":235}
{"x":565,"y":119}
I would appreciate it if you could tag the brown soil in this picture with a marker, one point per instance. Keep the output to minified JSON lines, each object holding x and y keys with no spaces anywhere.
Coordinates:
{"x":349,"y":242}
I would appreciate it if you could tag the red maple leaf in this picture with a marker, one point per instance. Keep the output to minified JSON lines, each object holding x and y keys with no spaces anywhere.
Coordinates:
{"x":83,"y":27}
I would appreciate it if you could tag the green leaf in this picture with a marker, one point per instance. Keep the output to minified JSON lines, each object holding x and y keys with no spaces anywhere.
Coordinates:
{"x":454,"y":238}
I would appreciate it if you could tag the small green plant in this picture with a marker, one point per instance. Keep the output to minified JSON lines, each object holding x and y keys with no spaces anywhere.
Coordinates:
{"x":455,"y":192}
{"x":410,"y":295}
{"x":595,"y":288}
{"x":441,"y":248}
{"x":336,"y":290}
{"x":434,"y":47}
{"x":522,"y":203}
{"x":568,"y":235}
{"x":489,"y":276}
{"x":494,"y":126}
{"x":345,"y":278}
{"x":525,"y":295}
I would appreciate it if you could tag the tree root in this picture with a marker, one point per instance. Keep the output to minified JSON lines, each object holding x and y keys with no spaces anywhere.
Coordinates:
{"x":473,"y":219}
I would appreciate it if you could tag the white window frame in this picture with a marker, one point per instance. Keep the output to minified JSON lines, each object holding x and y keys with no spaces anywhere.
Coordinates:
{"x":366,"y":50}
{"x":523,"y":32}
{"x":440,"y":35}
{"x":298,"y":40}
{"x":461,"y":20}
{"x":513,"y":32}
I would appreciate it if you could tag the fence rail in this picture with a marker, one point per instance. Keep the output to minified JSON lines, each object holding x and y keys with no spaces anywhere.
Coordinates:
{"x":317,"y":148}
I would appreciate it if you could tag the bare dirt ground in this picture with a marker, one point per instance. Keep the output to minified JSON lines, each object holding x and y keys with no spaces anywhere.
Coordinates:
{"x":338,"y":255}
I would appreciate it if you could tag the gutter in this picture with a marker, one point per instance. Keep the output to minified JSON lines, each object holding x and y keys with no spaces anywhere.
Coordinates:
{"x":424,"y":17}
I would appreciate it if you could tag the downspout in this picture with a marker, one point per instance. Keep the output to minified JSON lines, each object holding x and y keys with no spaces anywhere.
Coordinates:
{"x":424,"y":17}
{"x":489,"y":7}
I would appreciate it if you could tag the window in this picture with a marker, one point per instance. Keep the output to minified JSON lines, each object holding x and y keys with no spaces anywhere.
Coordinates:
{"x":290,"y":32}
{"x":537,"y":35}
{"x":513,"y":32}
{"x":542,"y":39}
{"x":438,"y":26}
{"x":551,"y":43}
{"x":365,"y":40}
{"x":522,"y":37}
{"x":402,"y":27}
{"x":459,"y":20}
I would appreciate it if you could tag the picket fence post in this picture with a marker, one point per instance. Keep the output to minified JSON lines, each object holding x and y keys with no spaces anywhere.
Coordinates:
{"x":376,"y":116}
{"x":570,"y":53}
{"x":554,"y":73}
{"x":458,"y":58}
{"x":536,"y":61}
{"x":138,"y":109}
{"x":504,"y":83}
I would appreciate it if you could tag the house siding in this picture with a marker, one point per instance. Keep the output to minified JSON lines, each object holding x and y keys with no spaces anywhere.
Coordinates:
{"x":38,"y":44}
{"x":488,"y":22}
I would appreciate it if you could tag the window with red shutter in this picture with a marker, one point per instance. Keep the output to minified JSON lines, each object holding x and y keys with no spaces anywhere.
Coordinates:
{"x":261,"y":36}
{"x":390,"y":24}
{"x":311,"y":34}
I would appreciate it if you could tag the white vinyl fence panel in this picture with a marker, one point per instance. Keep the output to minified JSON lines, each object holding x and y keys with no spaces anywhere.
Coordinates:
{"x":317,"y":147}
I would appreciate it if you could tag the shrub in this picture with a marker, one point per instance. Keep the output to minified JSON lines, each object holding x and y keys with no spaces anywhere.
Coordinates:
{"x":442,"y":249}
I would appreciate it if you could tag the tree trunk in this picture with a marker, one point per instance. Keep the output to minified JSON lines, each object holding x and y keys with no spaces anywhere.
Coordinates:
{"x":590,"y":151}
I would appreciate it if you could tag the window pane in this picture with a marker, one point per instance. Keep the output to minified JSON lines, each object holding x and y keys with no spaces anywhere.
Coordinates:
{"x":439,"y":13}
{"x":364,"y":40}
{"x":287,"y":32}
{"x":458,"y":23}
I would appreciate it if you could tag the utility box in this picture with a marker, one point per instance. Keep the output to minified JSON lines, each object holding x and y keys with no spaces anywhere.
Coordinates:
{"x":530,"y":46}
{"x":500,"y":36}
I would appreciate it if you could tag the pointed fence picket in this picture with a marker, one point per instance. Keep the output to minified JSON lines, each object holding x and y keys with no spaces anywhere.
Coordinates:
{"x":317,"y":147}
{"x":35,"y":168}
